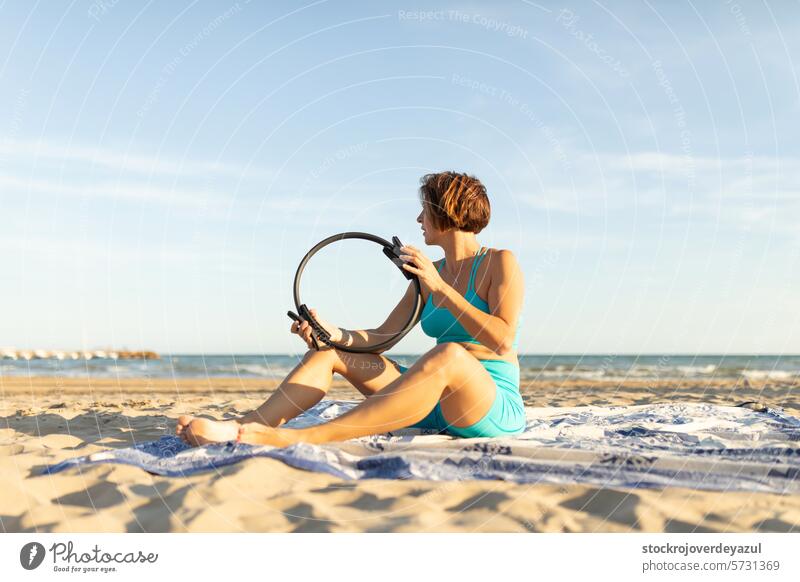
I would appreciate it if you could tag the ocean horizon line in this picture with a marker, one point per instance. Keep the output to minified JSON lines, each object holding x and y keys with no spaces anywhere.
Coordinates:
{"x":529,"y":354}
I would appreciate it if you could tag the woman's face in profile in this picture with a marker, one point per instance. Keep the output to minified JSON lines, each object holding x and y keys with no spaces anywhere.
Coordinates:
{"x":429,"y":231}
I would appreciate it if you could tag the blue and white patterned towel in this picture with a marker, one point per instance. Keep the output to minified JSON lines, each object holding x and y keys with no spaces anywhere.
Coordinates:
{"x":702,"y":446}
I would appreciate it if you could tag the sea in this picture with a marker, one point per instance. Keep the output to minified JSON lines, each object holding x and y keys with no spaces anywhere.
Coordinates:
{"x":532,"y":367}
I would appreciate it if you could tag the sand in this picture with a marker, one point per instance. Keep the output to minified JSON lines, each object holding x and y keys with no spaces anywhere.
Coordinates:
{"x":46,"y":420}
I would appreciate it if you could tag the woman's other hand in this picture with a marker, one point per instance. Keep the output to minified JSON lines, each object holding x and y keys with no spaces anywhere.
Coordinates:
{"x":422,"y":267}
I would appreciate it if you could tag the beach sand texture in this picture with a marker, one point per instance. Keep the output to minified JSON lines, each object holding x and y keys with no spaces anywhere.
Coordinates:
{"x":47,"y":420}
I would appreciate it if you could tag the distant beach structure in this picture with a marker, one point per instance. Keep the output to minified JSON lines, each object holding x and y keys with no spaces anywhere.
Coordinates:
{"x":14,"y":354}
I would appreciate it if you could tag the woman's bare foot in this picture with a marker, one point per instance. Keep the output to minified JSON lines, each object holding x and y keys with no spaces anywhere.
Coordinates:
{"x":201,"y":431}
{"x":259,"y":434}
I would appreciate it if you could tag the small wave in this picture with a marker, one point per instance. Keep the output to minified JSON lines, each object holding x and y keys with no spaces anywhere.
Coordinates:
{"x":261,"y":370}
{"x":562,"y":374}
{"x":701,"y":370}
{"x":768,"y":375}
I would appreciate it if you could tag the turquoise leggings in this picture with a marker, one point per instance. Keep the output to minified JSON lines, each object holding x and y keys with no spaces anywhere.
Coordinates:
{"x":505,"y":417}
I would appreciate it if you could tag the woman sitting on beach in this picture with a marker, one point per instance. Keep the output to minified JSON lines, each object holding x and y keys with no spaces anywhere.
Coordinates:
{"x":466,"y":386}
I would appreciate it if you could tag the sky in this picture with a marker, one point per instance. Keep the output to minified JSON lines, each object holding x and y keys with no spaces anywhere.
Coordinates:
{"x":165,"y":166}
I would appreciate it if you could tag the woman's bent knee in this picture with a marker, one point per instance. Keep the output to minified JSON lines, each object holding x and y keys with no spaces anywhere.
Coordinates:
{"x":339,"y":361}
{"x":327,"y":356}
{"x":450,"y":351}
{"x":445,"y":356}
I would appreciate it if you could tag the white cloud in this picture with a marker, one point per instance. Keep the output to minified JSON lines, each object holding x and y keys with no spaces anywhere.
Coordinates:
{"x":64,"y":252}
{"x":38,"y":151}
{"x":128,"y":191}
{"x":751,"y":192}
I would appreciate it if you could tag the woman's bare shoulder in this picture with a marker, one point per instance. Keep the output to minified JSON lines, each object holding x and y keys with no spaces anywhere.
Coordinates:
{"x":502,"y":260}
{"x":501,"y":255}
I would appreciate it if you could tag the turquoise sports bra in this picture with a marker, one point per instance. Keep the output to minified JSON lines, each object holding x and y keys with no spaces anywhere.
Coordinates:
{"x":438,"y":322}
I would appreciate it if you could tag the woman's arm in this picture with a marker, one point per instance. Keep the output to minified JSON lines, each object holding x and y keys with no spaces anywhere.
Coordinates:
{"x":393,"y":324}
{"x":495,"y":329}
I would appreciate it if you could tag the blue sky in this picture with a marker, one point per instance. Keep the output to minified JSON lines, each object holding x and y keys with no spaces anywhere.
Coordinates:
{"x":164,"y":167}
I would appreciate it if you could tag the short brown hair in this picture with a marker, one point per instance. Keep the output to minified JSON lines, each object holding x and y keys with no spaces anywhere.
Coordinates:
{"x":455,"y":200}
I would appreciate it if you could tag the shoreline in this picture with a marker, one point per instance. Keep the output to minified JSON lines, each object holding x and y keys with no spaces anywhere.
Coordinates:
{"x":16,"y":383}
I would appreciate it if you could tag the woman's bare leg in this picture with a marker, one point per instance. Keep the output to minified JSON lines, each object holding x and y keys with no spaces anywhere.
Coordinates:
{"x":448,"y":372}
{"x":302,"y":388}
{"x":310,"y":381}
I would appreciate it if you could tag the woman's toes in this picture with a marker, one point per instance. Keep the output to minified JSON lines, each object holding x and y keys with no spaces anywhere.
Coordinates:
{"x":182,"y":422}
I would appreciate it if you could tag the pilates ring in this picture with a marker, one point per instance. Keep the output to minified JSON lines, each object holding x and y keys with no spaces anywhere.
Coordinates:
{"x":392,"y":251}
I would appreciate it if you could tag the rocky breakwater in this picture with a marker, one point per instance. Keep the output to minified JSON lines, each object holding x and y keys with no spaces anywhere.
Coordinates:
{"x":14,"y":354}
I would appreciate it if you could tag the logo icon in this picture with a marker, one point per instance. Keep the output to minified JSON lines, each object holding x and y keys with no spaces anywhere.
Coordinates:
{"x":31,"y":555}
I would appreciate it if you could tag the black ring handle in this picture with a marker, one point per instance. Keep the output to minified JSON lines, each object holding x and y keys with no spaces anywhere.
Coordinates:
{"x":393,"y":252}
